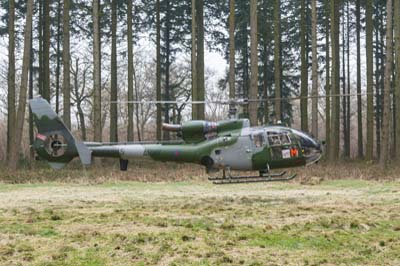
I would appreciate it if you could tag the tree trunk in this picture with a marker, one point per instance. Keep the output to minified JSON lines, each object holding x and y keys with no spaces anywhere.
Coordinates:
{"x":348,"y":120}
{"x":277,"y":60}
{"x":30,"y":95}
{"x":265,"y":76}
{"x":13,"y":162}
{"x":81,"y":114}
{"x":387,"y":86}
{"x":335,"y":128}
{"x":328,"y":78}
{"x":166,"y":134}
{"x":46,"y":51}
{"x":304,"y":68}
{"x":397,"y":83}
{"x":194,"y":61}
{"x":130,"y":73}
{"x":344,"y":102}
{"x":253,"y":106}
{"x":97,"y":121}
{"x":11,"y":116}
{"x":40,"y":41}
{"x":232,"y":82}
{"x":114,"y":82}
{"x":66,"y":68}
{"x":158,"y":70}
{"x":200,"y":59}
{"x":58,"y":59}
{"x":370,"y":82}
{"x":314,"y":106}
{"x":139,"y":135}
{"x":378,"y":67}
{"x":359,"y":99}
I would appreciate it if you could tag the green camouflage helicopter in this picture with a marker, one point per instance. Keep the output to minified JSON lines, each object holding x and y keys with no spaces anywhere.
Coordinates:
{"x":225,"y":145}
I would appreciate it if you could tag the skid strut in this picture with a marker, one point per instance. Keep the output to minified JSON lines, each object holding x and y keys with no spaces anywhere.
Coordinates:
{"x":263,"y":177}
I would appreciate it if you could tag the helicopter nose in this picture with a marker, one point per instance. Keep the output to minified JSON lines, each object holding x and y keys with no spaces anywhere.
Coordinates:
{"x":312,"y":149}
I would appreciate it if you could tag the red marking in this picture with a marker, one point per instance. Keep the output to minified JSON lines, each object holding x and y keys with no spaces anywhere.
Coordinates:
{"x":294,"y":152}
{"x":41,"y":137}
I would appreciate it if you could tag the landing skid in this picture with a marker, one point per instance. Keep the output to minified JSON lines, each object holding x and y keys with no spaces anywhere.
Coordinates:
{"x":263,"y":177}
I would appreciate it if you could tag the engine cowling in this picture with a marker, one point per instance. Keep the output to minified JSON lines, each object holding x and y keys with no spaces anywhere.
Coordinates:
{"x":197,"y":130}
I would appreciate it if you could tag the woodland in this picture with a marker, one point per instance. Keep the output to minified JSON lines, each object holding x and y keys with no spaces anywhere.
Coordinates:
{"x":327,"y":67}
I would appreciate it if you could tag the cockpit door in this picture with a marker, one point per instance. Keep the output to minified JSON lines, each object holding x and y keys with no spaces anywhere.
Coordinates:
{"x":280,"y":145}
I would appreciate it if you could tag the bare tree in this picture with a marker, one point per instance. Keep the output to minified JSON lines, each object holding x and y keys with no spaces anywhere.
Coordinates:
{"x":66,"y":64}
{"x":11,"y":79}
{"x":12,"y":164}
{"x":97,"y":117}
{"x":194,"y":59}
{"x":79,"y":94}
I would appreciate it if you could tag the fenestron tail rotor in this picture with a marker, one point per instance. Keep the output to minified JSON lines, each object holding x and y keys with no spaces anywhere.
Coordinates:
{"x":54,"y":142}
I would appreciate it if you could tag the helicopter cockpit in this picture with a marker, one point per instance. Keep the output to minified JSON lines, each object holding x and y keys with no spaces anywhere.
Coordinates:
{"x":287,"y":143}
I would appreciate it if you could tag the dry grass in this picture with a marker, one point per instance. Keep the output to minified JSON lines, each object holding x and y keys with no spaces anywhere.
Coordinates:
{"x":167,"y":214}
{"x":145,"y":170}
{"x":337,"y":222}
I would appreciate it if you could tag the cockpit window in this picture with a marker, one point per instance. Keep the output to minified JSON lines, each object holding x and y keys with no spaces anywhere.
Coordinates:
{"x":278,"y":138}
{"x":285,"y":139}
{"x":258,"y":140}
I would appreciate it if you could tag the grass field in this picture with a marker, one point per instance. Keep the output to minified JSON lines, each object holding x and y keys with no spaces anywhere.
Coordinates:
{"x":344,"y":222}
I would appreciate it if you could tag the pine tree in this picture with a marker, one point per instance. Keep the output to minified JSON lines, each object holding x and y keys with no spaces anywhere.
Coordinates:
{"x":253,"y":106}
{"x":114,"y":82}
{"x":232,"y":90}
{"x":397,"y":76}
{"x":277,"y":60}
{"x":200,"y":59}
{"x":387,"y":86}
{"x":58,"y":52}
{"x":314,"y":71}
{"x":46,"y":51}
{"x":130,"y":133}
{"x":370,"y":81}
{"x":304,"y":67}
{"x":158,"y":69}
{"x":359,"y":99}
{"x":328,"y":76}
{"x":335,"y":126}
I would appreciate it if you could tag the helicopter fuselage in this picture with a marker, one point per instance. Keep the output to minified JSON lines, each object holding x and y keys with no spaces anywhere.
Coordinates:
{"x":230,"y":144}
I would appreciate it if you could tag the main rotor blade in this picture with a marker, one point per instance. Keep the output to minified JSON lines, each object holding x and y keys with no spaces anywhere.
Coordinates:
{"x":241,"y":101}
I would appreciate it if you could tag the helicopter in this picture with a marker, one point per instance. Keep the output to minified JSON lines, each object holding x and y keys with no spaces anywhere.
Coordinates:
{"x":229,"y":145}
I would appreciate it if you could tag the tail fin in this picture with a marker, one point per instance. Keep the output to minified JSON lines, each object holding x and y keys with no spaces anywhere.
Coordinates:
{"x":54,"y":142}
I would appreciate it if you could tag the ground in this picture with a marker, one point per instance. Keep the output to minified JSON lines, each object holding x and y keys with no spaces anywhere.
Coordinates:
{"x":334,"y":222}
